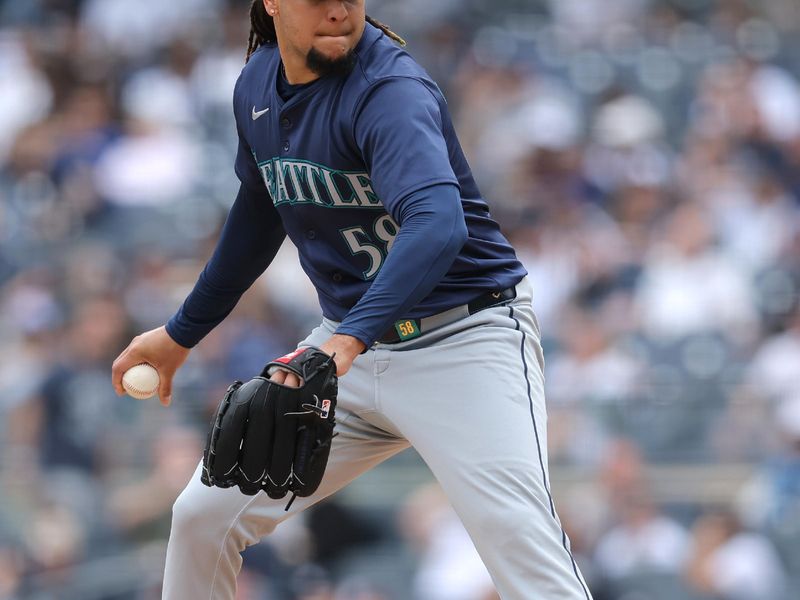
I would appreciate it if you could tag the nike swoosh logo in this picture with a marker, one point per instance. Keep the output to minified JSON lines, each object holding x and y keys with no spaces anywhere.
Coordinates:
{"x":259,"y":113}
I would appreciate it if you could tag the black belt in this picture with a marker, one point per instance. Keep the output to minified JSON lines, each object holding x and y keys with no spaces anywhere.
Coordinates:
{"x":408,"y":329}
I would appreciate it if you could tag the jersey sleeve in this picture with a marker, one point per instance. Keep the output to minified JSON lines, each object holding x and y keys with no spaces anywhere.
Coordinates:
{"x":247,"y":170}
{"x":245,"y":165}
{"x":398,"y":129}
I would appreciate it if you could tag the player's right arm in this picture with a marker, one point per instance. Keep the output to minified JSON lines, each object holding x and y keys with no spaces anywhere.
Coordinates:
{"x":250,"y":239}
{"x":252,"y":235}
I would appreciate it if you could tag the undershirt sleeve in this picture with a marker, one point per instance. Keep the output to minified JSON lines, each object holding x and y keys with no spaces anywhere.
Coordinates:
{"x":432,"y":233}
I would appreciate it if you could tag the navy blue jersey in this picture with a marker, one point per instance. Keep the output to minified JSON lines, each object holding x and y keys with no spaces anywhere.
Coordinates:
{"x":344,"y":164}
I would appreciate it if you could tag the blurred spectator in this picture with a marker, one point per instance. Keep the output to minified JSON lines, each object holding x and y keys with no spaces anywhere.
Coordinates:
{"x":771,"y":500}
{"x":26,"y":97}
{"x":29,"y":317}
{"x":688,"y":286}
{"x":75,"y":398}
{"x":773,"y":372}
{"x":589,"y":368}
{"x":146,"y":505}
{"x":731,"y":564}
{"x":641,"y":539}
{"x":161,"y":94}
{"x":151,"y":26}
{"x":149,"y":165}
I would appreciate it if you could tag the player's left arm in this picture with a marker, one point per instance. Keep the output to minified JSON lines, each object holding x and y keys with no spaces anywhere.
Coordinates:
{"x":399,"y":131}
{"x":431,"y":235}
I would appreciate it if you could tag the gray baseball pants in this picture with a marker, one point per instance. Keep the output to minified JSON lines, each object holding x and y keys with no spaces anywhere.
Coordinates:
{"x":469,"y":398}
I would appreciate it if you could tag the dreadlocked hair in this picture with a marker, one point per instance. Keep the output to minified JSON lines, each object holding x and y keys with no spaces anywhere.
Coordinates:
{"x":385,"y":29}
{"x":262,"y":29}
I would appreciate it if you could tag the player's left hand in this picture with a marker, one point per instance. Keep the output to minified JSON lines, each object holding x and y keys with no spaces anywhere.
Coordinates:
{"x":343,"y":348}
{"x":273,"y":437}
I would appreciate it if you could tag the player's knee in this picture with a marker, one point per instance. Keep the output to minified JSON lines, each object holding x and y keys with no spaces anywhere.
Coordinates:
{"x":197,"y":514}
{"x":186,"y":515}
{"x":209,"y":514}
{"x":512,"y":523}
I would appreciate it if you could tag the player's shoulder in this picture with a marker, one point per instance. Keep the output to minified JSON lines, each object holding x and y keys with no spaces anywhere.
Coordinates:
{"x":380,"y":60}
{"x":250,"y":86}
{"x":261,"y":61}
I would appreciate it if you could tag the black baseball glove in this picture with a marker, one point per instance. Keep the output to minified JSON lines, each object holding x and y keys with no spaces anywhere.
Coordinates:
{"x":267,"y":436}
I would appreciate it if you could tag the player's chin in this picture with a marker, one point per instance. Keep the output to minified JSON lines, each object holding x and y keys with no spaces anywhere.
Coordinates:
{"x":340,"y":61}
{"x":333,"y":47}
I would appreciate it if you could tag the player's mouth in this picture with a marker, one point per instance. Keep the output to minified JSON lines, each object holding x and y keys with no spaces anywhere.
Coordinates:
{"x":336,"y":34}
{"x":335,"y":38}
{"x":334,"y":44}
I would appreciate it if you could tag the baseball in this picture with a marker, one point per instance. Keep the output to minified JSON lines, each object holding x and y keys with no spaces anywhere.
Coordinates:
{"x":141,"y":381}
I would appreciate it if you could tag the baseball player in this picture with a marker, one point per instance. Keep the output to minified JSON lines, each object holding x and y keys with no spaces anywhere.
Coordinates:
{"x":346,"y":146}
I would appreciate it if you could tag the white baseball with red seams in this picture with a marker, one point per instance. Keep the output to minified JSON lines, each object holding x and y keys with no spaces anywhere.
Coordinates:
{"x":141,"y":381}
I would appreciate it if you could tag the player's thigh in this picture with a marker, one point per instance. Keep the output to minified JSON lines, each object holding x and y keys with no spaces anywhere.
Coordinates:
{"x":357,"y":448}
{"x":472,"y":405}
{"x":475,"y":394}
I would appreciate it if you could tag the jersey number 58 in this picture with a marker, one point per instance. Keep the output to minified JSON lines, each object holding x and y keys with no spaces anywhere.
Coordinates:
{"x":359,"y":241}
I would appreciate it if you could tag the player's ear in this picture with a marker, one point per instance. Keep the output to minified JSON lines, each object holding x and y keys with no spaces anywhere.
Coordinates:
{"x":271,"y":6}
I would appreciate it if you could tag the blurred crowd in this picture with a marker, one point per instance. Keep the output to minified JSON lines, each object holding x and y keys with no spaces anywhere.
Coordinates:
{"x":643,"y":156}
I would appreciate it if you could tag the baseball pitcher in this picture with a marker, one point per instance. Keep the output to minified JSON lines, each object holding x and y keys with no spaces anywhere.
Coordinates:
{"x":427,"y":338}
